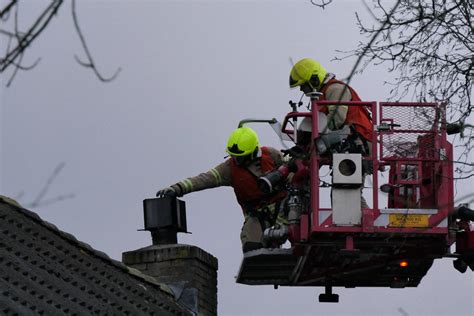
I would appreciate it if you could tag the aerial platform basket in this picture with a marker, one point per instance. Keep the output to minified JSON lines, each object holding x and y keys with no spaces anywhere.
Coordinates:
{"x":389,"y":245}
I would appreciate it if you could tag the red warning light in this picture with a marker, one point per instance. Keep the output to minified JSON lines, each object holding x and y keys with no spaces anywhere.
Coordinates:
{"x":403,"y":264}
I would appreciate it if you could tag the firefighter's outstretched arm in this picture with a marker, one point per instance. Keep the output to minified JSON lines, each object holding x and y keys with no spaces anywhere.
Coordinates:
{"x":215,"y":177}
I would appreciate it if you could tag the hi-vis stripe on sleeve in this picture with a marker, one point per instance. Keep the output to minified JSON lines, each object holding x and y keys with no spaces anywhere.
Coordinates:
{"x":335,"y":107}
{"x":188,"y":185}
{"x":216,"y":175}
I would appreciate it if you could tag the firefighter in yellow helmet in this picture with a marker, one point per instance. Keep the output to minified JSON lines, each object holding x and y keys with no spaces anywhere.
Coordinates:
{"x":311,"y":76}
{"x":248,"y":162}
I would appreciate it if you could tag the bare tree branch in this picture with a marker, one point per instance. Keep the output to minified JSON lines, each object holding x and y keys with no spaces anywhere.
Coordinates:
{"x":366,"y":48}
{"x":33,"y":65}
{"x":48,"y":183}
{"x":59,"y":198}
{"x":20,"y":41}
{"x":39,"y":200}
{"x":90,"y":61}
{"x":429,"y":45}
{"x":403,"y":312}
{"x":26,"y":39}
{"x":6,"y":10}
{"x":15,"y":71}
{"x":372,"y":40}
{"x":321,"y":3}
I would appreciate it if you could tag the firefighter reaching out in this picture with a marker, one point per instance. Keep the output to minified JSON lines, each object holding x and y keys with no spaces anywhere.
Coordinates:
{"x":247,"y":163}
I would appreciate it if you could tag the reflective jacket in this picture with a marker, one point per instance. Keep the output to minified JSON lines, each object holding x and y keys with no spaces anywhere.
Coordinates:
{"x":243,"y":179}
{"x":357,"y":116}
{"x":246,"y":189}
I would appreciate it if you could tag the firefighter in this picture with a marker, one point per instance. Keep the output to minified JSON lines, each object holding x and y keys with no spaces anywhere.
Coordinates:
{"x":311,"y":76}
{"x":248,"y":161}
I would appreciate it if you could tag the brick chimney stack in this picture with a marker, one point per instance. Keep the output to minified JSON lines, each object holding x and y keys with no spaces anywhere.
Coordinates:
{"x":190,"y":271}
{"x":175,"y":264}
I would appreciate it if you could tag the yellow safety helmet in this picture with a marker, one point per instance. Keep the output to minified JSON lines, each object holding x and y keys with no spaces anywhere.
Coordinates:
{"x":242,"y":142}
{"x":307,"y":70}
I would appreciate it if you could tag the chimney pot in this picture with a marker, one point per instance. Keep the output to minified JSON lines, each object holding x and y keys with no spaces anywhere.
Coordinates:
{"x":164,"y":218}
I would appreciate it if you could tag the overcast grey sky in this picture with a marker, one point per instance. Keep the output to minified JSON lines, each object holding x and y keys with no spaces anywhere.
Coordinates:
{"x":191,"y":71}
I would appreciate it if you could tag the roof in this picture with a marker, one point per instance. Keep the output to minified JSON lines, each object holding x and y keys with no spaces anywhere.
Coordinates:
{"x":46,"y":271}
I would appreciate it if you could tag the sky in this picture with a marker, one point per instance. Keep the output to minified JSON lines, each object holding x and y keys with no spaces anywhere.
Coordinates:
{"x":191,"y":70}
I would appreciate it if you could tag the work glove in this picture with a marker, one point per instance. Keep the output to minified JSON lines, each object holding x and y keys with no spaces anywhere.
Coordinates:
{"x":168,"y":192}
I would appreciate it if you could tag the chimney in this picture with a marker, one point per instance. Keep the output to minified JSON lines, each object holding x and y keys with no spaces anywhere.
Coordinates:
{"x":188,"y":270}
